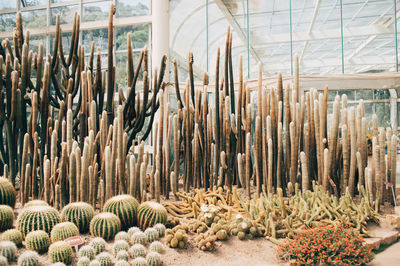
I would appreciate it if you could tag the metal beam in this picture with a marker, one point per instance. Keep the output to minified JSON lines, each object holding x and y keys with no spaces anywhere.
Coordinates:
{"x":310,"y":29}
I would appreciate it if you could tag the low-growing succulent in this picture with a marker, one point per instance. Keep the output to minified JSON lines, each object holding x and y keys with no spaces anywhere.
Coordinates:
{"x":98,"y":244}
{"x":63,"y":231}
{"x":120,"y":245}
{"x":153,"y":259}
{"x":3,"y":261}
{"x":176,"y":237}
{"x":37,"y":218}
{"x":205,"y":241}
{"x":133,"y":230}
{"x":104,"y":258}
{"x":12,"y":235}
{"x":83,"y":261}
{"x":160,"y":229}
{"x":95,"y":263}
{"x":37,"y":240}
{"x":79,"y":213}
{"x":35,"y":203}
{"x":151,"y":234}
{"x":122,"y":236}
{"x":139,"y":261}
{"x":105,"y":225}
{"x":125,"y":207}
{"x":122,"y":255}
{"x":151,"y":213}
{"x":138,"y":238}
{"x":6,"y":217}
{"x":7,"y":192}
{"x":8,"y":249}
{"x":60,"y":252}
{"x":121,"y":263}
{"x":137,"y":250}
{"x":86,"y":251}
{"x":157,"y":246}
{"x":28,"y":258}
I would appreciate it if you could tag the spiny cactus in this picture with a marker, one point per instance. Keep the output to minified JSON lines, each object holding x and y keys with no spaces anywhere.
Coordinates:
{"x":160,"y":229}
{"x":95,"y":263}
{"x":37,"y":218}
{"x":8,"y":249}
{"x":153,"y":259}
{"x":151,"y":213}
{"x":79,"y":213}
{"x":104,"y":258}
{"x":133,"y":230}
{"x":138,"y":238}
{"x":176,"y":237}
{"x":6,"y":217}
{"x":122,"y":236}
{"x":122,"y":263}
{"x":12,"y":235}
{"x":3,"y":261}
{"x":122,"y":255}
{"x":83,"y":261}
{"x":63,"y":231}
{"x":98,"y":244}
{"x":60,"y":252}
{"x":105,"y":225}
{"x":36,"y":203}
{"x":139,"y":261}
{"x":157,"y":246}
{"x":120,"y":245}
{"x":7,"y":192}
{"x":151,"y":234}
{"x":137,"y":250}
{"x":28,"y":258}
{"x":87,"y":251}
{"x":125,"y":207}
{"x":58,"y":264}
{"x":37,"y":240}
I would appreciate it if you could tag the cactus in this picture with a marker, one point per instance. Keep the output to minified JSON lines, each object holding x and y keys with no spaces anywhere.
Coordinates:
{"x":28,"y":258}
{"x":122,"y":236}
{"x":120,"y":245}
{"x":157,"y":246}
{"x":104,"y":258}
{"x":12,"y":235}
{"x":151,"y":213}
{"x":160,"y":229}
{"x":98,"y":244}
{"x":122,"y":255}
{"x":37,"y":240}
{"x":125,"y":207}
{"x":3,"y":261}
{"x":105,"y":225}
{"x":63,"y":231}
{"x":86,"y":251}
{"x":176,"y":238}
{"x":95,"y":263}
{"x":133,"y":230}
{"x":60,"y":252}
{"x":8,"y":249}
{"x":122,"y":263}
{"x":6,"y":217}
{"x":151,"y":234}
{"x":7,"y":192}
{"x":83,"y":261}
{"x":36,"y":203}
{"x":79,"y":213}
{"x":58,"y":264}
{"x":139,"y":261}
{"x":37,"y":218}
{"x":153,"y":259}
{"x":137,"y":250}
{"x":138,"y":238}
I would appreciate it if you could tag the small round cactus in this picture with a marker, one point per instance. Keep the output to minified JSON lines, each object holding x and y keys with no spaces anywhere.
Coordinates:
{"x":60,"y":252}
{"x":153,"y":259}
{"x":58,"y":264}
{"x":121,"y":263}
{"x":37,"y":240}
{"x":79,"y":213}
{"x":28,"y":258}
{"x":95,"y":263}
{"x":37,"y":218}
{"x":8,"y":249}
{"x":151,"y":234}
{"x":7,"y":192}
{"x":120,"y":245}
{"x":105,"y":225}
{"x":63,"y":231}
{"x":104,"y":258}
{"x":157,"y":246}
{"x":160,"y":229}
{"x":151,"y":213}
{"x":98,"y":244}
{"x":3,"y":261}
{"x":87,"y":251}
{"x":12,"y":235}
{"x":122,"y":236}
{"x":138,"y":238}
{"x":125,"y":207}
{"x":122,"y":255}
{"x":83,"y":261}
{"x":139,"y":261}
{"x":133,"y":230}
{"x":6,"y":217}
{"x":137,"y":250}
{"x":36,"y":203}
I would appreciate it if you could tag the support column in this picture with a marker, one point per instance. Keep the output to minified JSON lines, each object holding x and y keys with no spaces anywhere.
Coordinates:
{"x":393,"y":109}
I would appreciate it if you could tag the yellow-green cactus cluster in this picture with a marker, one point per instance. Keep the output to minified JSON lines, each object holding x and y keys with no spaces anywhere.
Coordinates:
{"x":176,"y":237}
{"x":206,"y":241}
{"x":221,"y":229}
{"x":244,"y":228}
{"x":198,"y":227}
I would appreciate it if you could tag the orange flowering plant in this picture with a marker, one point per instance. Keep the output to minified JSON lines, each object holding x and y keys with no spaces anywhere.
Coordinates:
{"x":326,"y":245}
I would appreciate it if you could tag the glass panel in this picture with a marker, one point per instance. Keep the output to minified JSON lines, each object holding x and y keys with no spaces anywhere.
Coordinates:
{"x":369,"y":111}
{"x":34,"y":19}
{"x":60,"y":1}
{"x":35,"y":41}
{"x":121,"y":59}
{"x":7,"y":22}
{"x":382,"y":110}
{"x":364,"y":94}
{"x":66,"y":14}
{"x":96,"y":11}
{"x":331,"y":96}
{"x":351,"y":95}
{"x":66,"y":42}
{"x":98,"y":36}
{"x":8,"y":5}
{"x":139,"y":36}
{"x":381,"y":94}
{"x":129,"y":8}
{"x":33,"y":3}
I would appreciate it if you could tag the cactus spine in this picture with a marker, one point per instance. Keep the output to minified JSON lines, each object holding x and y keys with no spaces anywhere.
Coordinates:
{"x":105,"y":225}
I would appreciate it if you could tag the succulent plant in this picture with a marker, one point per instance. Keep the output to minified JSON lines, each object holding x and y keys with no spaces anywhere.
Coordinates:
{"x":63,"y":231}
{"x":122,"y":255}
{"x":153,"y":259}
{"x":35,"y":203}
{"x":151,"y":234}
{"x":104,"y":258}
{"x":138,"y":238}
{"x":37,"y":240}
{"x":160,"y":229}
{"x":60,"y":251}
{"x":95,"y":263}
{"x":58,"y":264}
{"x":137,"y":250}
{"x":3,"y":261}
{"x":79,"y":213}
{"x":105,"y":225}
{"x":125,"y":207}
{"x":28,"y":258}
{"x":151,"y":213}
{"x":8,"y":249}
{"x":157,"y":246}
{"x":86,"y":251}
{"x":139,"y":261}
{"x":6,"y":217}
{"x":133,"y":230}
{"x":120,"y":245}
{"x":122,"y":263}
{"x":176,"y":237}
{"x":205,"y":241}
{"x":98,"y":244}
{"x":7,"y":192}
{"x":37,"y":218}
{"x":122,"y":236}
{"x":83,"y":261}
{"x":12,"y":235}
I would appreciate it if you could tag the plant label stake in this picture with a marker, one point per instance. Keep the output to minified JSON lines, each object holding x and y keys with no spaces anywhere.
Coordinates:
{"x":75,"y":242}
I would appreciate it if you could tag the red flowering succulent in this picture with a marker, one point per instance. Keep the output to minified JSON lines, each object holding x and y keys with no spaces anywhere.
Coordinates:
{"x":326,"y":245}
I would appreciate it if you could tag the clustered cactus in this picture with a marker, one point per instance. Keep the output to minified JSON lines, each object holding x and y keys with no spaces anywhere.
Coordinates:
{"x":79,"y":213}
{"x":176,"y":237}
{"x":63,"y":231}
{"x":28,"y":258}
{"x":151,"y":213}
{"x":105,"y":225}
{"x":60,"y":251}
{"x":37,"y":218}
{"x":37,"y":240}
{"x":6,"y":217}
{"x":125,"y":207}
{"x":7,"y":192}
{"x":12,"y":235}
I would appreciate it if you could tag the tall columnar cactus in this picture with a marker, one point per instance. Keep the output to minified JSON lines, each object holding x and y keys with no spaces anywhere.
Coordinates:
{"x":105,"y":225}
{"x":29,"y":258}
{"x":6,"y":217}
{"x":8,"y":249}
{"x":12,"y":235}
{"x":7,"y":192}
{"x":60,"y":252}
{"x":37,"y":218}
{"x":151,"y":213}
{"x":37,"y":240}
{"x":125,"y":207}
{"x":79,"y":213}
{"x":63,"y":231}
